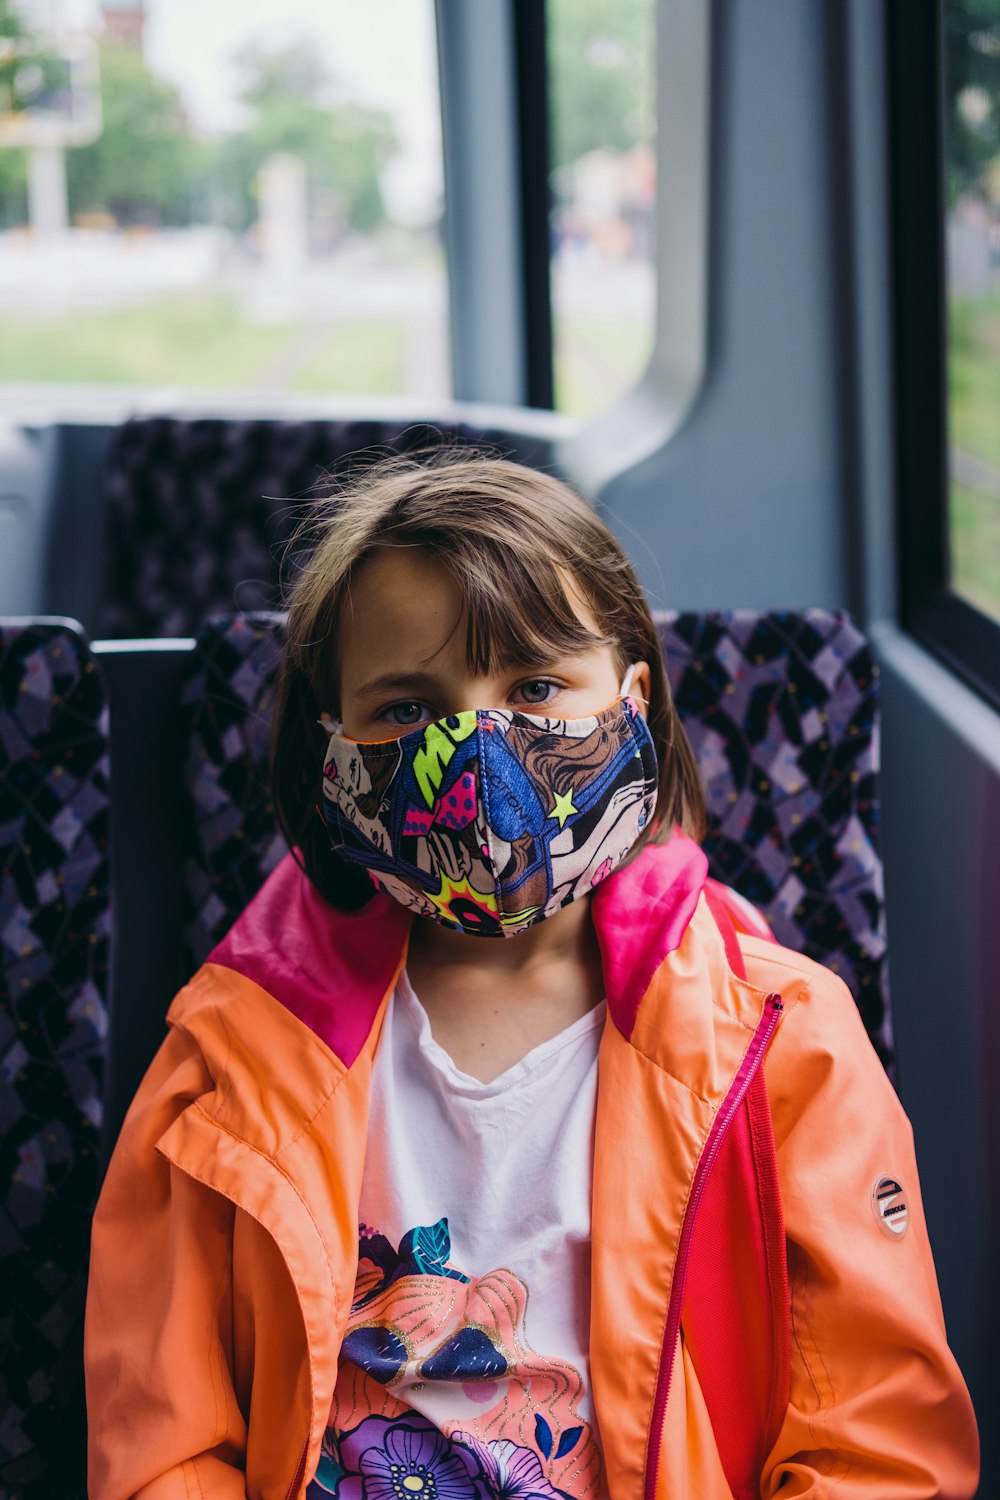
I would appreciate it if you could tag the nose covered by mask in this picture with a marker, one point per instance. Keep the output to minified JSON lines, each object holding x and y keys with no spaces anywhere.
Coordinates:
{"x":490,"y":820}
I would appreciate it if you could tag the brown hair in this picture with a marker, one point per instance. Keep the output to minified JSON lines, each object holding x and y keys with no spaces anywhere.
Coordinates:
{"x":513,"y":538}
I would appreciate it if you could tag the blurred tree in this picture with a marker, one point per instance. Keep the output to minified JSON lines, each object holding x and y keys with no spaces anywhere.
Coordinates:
{"x":144,"y":167}
{"x":13,"y":161}
{"x":293,"y":108}
{"x":972,"y":84}
{"x":601,"y":67}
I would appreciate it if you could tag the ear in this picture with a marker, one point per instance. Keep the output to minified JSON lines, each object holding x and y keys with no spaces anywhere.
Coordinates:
{"x":640,"y":688}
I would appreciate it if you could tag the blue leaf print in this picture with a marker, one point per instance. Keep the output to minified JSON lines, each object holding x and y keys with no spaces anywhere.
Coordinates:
{"x":543,"y":1435}
{"x":330,"y":1471}
{"x":374,"y":1247}
{"x":467,"y":1355}
{"x":378,"y":1350}
{"x":568,"y":1441}
{"x":425,"y":1250}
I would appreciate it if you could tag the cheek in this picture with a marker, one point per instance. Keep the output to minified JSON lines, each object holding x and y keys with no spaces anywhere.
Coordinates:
{"x":600,"y":690}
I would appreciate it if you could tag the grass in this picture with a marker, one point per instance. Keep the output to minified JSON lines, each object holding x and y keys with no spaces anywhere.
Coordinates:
{"x":974,"y":429}
{"x":197,"y":339}
{"x":596,"y":360}
{"x":974,"y":377}
{"x":364,"y":359}
{"x":200,"y":339}
{"x":974,"y":528}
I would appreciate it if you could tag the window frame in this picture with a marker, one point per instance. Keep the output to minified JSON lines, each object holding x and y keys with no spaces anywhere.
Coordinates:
{"x":954,"y":630}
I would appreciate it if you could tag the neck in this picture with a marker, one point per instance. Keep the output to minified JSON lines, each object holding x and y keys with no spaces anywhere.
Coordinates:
{"x":491,"y":1000}
{"x":567,"y":937}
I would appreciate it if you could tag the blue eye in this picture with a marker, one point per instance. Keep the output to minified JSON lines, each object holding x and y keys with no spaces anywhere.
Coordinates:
{"x":538,"y":690}
{"x":404,"y":715}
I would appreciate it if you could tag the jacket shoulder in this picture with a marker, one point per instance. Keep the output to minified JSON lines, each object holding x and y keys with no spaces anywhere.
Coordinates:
{"x":822,"y":1035}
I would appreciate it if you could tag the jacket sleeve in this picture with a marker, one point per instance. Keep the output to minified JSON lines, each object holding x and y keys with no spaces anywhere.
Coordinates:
{"x":163,"y":1417}
{"x":877,"y":1406}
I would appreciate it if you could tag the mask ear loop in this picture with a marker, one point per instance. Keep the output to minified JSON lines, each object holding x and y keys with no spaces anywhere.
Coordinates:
{"x":625,"y":691}
{"x":331,"y":726}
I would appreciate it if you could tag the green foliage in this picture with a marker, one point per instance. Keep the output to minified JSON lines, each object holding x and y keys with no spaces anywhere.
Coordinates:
{"x":602,"y":75}
{"x":973,"y":399}
{"x":13,"y":188}
{"x":13,"y":162}
{"x":144,"y":167}
{"x":972,"y":76}
{"x":344,"y":146}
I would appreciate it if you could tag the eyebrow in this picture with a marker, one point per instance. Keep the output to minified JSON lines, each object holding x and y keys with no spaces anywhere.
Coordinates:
{"x":397,"y":682}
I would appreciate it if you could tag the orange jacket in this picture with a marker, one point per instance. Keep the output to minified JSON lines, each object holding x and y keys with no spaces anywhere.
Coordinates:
{"x":225,"y":1241}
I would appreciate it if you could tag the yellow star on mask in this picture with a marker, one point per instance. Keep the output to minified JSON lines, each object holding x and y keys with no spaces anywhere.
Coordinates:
{"x":563,"y":807}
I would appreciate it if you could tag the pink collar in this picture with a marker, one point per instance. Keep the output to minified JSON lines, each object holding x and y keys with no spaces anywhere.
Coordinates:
{"x":331,"y":969}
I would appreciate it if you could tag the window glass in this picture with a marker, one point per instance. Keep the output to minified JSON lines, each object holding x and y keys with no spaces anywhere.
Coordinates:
{"x":602,"y":124}
{"x":246,"y":196}
{"x":972,"y":184}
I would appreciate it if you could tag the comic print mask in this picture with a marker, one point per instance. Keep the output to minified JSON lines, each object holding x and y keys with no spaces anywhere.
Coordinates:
{"x":490,"y":820}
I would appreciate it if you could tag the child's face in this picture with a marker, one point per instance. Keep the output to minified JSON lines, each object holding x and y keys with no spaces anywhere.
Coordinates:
{"x":402,"y":657}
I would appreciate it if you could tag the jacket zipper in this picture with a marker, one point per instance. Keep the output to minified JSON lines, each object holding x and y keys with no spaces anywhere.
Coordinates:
{"x":296,"y":1483}
{"x":748,"y":1068}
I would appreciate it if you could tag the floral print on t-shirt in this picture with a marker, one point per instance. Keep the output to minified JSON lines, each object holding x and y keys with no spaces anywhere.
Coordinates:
{"x":440,"y":1396}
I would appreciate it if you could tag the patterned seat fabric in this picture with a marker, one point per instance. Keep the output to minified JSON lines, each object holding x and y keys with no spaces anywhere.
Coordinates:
{"x":55,"y":903}
{"x":781,"y":710}
{"x":229,"y":695}
{"x":199,"y":511}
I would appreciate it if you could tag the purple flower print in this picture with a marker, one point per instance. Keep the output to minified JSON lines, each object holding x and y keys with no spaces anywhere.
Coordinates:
{"x":511,"y":1472}
{"x":406,"y":1459}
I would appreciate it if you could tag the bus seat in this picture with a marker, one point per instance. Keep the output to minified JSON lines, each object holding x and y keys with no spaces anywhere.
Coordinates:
{"x":55,"y":920}
{"x":782,"y":711}
{"x":198,"y":509}
{"x":228,"y":696}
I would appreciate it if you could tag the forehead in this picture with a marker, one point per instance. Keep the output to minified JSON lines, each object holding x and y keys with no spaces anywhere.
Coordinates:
{"x":401,"y":604}
{"x":405,"y":610}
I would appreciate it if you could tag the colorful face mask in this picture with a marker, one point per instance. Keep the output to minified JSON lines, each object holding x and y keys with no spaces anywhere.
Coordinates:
{"x":490,"y":820}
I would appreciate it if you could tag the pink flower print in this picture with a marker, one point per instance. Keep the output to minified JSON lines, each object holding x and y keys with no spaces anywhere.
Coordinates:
{"x":406,"y":1459}
{"x":457,"y":808}
{"x":511,"y":1472}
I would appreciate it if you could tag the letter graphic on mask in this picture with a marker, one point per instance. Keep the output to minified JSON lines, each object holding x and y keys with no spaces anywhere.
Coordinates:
{"x":441,"y":740}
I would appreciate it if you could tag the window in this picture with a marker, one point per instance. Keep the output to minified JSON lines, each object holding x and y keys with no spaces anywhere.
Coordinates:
{"x":945,"y":132}
{"x":972,"y":248}
{"x":602,"y":129}
{"x":257,"y":208}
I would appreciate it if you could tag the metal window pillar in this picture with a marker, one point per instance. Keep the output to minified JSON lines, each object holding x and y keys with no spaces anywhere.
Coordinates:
{"x":491,"y":62}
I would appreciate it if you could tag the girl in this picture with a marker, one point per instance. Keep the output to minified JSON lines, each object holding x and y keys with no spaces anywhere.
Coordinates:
{"x":483,"y":1160}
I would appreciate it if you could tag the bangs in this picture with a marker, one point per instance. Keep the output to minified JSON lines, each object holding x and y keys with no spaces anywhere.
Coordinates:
{"x":520,"y":614}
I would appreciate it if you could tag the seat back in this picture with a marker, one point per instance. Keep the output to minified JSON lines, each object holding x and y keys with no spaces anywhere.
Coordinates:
{"x":782,"y":712}
{"x":55,"y":919}
{"x":781,"y":709}
{"x":228,"y":697}
{"x":199,"y":510}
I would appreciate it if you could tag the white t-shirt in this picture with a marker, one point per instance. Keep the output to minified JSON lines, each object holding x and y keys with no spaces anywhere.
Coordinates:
{"x":465,"y":1371}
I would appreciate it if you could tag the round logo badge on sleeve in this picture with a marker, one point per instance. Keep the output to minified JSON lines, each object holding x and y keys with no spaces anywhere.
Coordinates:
{"x":890,"y":1207}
